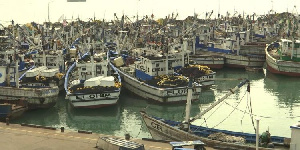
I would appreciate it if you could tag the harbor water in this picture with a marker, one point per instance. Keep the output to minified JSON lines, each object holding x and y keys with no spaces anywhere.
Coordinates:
{"x":273,"y":99}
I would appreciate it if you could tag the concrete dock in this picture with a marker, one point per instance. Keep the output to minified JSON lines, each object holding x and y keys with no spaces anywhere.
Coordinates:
{"x":33,"y":137}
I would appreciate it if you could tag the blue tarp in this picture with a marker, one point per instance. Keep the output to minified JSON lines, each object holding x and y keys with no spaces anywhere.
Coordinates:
{"x":221,"y":50}
{"x":142,"y":75}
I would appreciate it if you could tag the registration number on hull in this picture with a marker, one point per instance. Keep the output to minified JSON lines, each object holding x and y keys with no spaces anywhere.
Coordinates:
{"x":92,"y":96}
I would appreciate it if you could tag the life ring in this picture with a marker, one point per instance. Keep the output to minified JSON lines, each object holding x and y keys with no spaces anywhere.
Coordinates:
{"x":37,"y":78}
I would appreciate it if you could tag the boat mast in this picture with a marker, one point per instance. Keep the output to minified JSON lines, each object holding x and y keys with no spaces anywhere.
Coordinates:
{"x":92,"y":59}
{"x":16,"y":61}
{"x":293,"y":22}
{"x":44,"y":44}
{"x":167,"y":56}
{"x":185,"y":44}
{"x":231,"y":91}
{"x":17,"y":71}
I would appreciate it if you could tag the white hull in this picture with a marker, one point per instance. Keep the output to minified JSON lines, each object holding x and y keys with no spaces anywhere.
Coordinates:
{"x":258,"y":49}
{"x":98,"y":90}
{"x":244,"y":61}
{"x":237,"y":61}
{"x":162,"y":95}
{"x":208,"y":60}
{"x":36,"y":97}
{"x":94,"y":100}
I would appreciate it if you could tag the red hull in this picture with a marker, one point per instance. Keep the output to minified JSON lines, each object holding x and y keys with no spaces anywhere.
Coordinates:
{"x":292,"y":74}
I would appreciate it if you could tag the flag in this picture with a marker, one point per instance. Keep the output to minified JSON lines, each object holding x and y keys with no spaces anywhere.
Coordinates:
{"x":65,"y":23}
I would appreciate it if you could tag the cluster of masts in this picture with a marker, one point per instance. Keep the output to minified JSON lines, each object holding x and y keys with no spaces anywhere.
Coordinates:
{"x":163,"y":32}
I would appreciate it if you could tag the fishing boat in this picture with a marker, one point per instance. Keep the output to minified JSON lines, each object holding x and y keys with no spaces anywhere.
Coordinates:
{"x":229,"y":49}
{"x":12,"y":90}
{"x":203,"y":57}
{"x":210,"y":60}
{"x":152,"y":77}
{"x":46,"y":75}
{"x":161,"y":129}
{"x":235,"y":48}
{"x":49,"y":69}
{"x":92,"y":82}
{"x":283,"y":57}
{"x":202,"y":74}
{"x":42,"y":76}
{"x":12,"y":110}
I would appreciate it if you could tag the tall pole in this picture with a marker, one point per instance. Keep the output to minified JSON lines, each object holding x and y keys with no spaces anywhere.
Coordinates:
{"x":48,"y":12}
{"x":257,"y":132}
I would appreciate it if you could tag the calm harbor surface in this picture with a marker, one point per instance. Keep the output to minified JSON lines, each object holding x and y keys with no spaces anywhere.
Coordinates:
{"x":273,"y":99}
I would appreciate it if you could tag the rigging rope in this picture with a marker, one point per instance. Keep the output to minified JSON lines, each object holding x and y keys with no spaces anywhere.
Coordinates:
{"x":247,"y":112}
{"x":230,"y":112}
{"x":248,"y":89}
{"x":223,"y":119}
{"x":212,"y":113}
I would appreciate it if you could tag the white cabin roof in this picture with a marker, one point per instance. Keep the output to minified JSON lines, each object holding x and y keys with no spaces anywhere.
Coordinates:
{"x":285,"y":40}
{"x":93,"y":81}
{"x":107,"y":81}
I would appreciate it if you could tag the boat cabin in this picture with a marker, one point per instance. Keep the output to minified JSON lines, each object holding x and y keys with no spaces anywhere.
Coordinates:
{"x":290,"y":49}
{"x":225,"y":44}
{"x":53,"y":59}
{"x":87,"y":70}
{"x":150,"y":66}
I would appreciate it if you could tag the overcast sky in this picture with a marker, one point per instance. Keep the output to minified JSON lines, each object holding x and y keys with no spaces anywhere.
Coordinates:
{"x":23,"y":11}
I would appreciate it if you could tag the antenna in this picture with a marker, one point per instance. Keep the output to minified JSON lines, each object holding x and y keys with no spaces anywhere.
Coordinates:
{"x":94,"y":16}
{"x":272,"y":5}
{"x":219,"y":10}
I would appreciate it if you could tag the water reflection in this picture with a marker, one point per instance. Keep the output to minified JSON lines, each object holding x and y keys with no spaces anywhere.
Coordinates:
{"x":285,"y":88}
{"x":232,"y":74}
{"x":44,"y":117}
{"x":167,"y":111}
{"x":102,"y":120}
